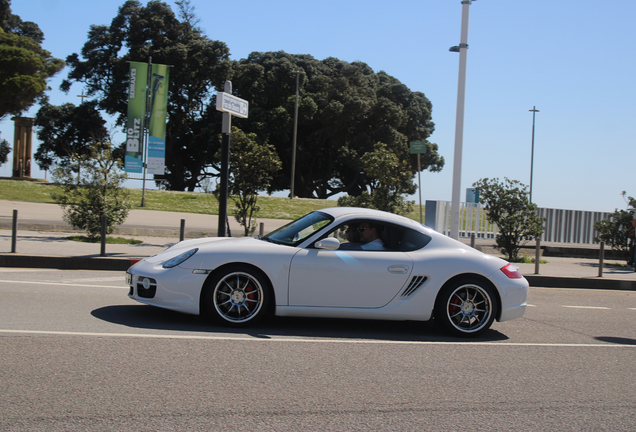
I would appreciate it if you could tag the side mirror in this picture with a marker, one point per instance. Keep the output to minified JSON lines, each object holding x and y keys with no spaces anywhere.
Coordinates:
{"x":328,"y":243}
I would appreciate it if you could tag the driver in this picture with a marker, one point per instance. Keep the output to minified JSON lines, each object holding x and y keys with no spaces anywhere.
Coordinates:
{"x":370,"y":236}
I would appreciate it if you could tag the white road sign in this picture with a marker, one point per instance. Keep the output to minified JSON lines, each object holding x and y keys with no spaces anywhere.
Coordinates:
{"x":231,"y":104}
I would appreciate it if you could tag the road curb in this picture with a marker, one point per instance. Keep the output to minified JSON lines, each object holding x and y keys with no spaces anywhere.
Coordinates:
{"x":66,"y":263}
{"x":540,"y":281}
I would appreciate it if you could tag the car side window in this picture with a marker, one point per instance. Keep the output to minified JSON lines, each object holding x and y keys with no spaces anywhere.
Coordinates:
{"x":367,"y":235}
{"x":392,"y":237}
{"x":413,"y":240}
{"x":347,"y":235}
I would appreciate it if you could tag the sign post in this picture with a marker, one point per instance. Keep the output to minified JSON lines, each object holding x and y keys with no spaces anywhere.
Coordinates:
{"x":229,"y":105}
{"x":419,"y":147}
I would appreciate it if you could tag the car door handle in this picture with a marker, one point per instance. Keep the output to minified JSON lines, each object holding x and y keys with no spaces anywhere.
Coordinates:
{"x":398,"y":268}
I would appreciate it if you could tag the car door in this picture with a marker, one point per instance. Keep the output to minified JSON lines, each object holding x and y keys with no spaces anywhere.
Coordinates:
{"x":347,"y":278}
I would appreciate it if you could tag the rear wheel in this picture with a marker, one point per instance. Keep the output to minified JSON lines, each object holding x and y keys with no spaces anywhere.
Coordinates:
{"x":237,"y":296}
{"x":466,"y":308}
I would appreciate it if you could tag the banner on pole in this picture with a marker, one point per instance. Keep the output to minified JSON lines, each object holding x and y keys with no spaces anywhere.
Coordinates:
{"x":147,"y":109}
{"x":156,"y":116}
{"x":133,"y":160}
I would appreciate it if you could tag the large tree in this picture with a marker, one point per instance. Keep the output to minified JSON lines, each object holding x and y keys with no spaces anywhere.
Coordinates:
{"x":200,"y":65}
{"x":66,"y":133}
{"x":344,"y":109}
{"x":24,"y":65}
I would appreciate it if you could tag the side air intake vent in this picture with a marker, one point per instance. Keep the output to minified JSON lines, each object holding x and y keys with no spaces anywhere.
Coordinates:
{"x":416,"y":282}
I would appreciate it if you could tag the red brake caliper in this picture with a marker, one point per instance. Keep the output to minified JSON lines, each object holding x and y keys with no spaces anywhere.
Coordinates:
{"x":455,"y":304}
{"x":250,"y":292}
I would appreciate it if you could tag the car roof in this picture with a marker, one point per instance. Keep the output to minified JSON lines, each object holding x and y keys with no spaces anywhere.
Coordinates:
{"x":358,"y":212}
{"x":337,"y":212}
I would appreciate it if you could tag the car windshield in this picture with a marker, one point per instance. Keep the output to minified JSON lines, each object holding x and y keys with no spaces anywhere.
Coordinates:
{"x":297,"y":231}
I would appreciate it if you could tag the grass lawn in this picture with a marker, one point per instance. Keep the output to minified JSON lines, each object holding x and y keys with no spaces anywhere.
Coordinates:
{"x":186,"y":202}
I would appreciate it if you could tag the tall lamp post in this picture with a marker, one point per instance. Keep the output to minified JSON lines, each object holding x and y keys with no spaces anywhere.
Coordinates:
{"x":293,"y":168}
{"x":534,"y":110}
{"x":462,"y":49}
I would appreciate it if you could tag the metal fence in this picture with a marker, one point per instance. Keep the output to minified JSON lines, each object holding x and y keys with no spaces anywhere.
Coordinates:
{"x":561,"y":226}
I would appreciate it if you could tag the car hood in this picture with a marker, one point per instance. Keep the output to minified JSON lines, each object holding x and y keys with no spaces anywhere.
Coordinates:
{"x":215,"y":250}
{"x":206,"y":242}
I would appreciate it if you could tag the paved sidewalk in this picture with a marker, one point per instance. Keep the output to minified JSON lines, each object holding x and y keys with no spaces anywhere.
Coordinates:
{"x":42,"y":242}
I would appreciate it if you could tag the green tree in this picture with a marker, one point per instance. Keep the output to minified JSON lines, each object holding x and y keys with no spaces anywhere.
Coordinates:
{"x":507,"y":204}
{"x":67,"y":132}
{"x":24,"y":64}
{"x":389,"y":181}
{"x":344,"y":109}
{"x":200,"y":65}
{"x":5,"y":149}
{"x":252,"y":167}
{"x":98,"y":193}
{"x":617,"y":232}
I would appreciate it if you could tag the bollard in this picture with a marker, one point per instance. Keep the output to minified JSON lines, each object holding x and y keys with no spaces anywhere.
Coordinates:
{"x":601,"y":257}
{"x":14,"y":231}
{"x":182,"y":230}
{"x":261,"y":229}
{"x":103,"y":248}
{"x":537,"y":256}
{"x":472,"y":240}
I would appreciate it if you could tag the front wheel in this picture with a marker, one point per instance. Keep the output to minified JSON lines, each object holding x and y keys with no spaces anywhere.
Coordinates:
{"x":237,"y":296}
{"x":466,"y":308}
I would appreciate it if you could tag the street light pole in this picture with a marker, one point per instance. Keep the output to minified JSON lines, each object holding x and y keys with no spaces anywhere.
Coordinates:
{"x":293,"y":168}
{"x":534,"y":110}
{"x":462,"y":49}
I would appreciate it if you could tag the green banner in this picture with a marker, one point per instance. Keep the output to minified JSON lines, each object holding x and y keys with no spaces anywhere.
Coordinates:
{"x":156,"y":119}
{"x":136,"y":113}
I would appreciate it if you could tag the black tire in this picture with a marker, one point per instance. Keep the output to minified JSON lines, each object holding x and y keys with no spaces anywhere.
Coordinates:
{"x":237,"y":296}
{"x":466,"y":307}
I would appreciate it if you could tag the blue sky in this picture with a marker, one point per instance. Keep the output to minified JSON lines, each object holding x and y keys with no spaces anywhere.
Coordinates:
{"x":572,"y":59}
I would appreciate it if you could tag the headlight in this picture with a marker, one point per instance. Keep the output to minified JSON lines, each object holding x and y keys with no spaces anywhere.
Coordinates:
{"x":179,"y":258}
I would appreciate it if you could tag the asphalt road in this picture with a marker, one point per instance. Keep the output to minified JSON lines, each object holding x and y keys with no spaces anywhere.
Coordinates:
{"x":77,"y":354}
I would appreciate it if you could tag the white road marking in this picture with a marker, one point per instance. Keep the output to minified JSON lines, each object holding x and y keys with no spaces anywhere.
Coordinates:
{"x":121,"y":277}
{"x":22,"y":270}
{"x":66,"y":284}
{"x":586,"y":307}
{"x":265,"y":338}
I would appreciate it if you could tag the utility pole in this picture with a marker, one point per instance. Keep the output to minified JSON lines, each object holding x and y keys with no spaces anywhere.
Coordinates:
{"x":534,"y":110}
{"x":83,"y":96}
{"x":293,"y":168}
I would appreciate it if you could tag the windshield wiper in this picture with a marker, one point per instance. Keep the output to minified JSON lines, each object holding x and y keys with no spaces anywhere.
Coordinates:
{"x":267,"y":239}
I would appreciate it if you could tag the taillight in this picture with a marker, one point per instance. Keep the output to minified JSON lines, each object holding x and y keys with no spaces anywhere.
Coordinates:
{"x":511,"y":271}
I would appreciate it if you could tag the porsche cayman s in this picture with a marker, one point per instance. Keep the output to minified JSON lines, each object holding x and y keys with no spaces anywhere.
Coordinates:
{"x":337,"y":263}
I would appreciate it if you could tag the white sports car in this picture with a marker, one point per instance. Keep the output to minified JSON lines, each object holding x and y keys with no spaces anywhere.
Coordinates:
{"x":325,"y":265}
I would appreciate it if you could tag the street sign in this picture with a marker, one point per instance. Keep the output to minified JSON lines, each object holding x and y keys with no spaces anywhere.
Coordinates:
{"x":225,"y":102}
{"x":418,"y":147}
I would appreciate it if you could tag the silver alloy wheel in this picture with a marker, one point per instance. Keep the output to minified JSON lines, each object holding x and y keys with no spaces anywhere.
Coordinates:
{"x":238,"y":297}
{"x":469,"y":308}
